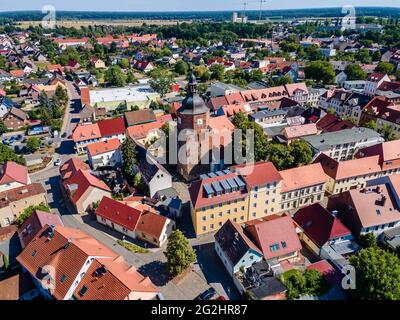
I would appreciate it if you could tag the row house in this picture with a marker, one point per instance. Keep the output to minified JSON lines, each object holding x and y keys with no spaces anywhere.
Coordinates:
{"x":373,"y":82}
{"x":135,"y":220}
{"x":342,"y":145}
{"x":105,"y":154}
{"x":384,"y":113}
{"x":85,"y":134}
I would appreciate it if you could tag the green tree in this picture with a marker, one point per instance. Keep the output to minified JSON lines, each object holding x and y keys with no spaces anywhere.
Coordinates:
{"x":385,"y":67}
{"x":321,"y":71}
{"x":130,"y":77}
{"x":3,"y":128}
{"x":124,"y":63}
{"x":377,"y":275}
{"x":33,"y":144}
{"x":30,"y":210}
{"x":355,"y":72}
{"x":280,"y":156}
{"x":6,"y":261}
{"x":370,"y":124}
{"x":367,"y":241}
{"x":217,"y":72}
{"x":161,"y":81}
{"x":7,"y":154}
{"x":387,"y":132}
{"x":181,"y":68}
{"x":115,"y":77}
{"x":180,"y":255}
{"x":129,"y":158}
{"x":301,"y":153}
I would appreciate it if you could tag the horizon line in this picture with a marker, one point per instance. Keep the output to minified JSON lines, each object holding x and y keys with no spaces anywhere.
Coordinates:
{"x":194,"y":11}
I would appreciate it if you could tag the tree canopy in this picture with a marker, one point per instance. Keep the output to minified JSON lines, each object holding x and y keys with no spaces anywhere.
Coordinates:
{"x":179,"y":253}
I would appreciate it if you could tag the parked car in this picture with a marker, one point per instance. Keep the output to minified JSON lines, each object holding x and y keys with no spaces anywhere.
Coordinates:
{"x":206,"y":295}
{"x":222,"y":298}
{"x":57,"y":163}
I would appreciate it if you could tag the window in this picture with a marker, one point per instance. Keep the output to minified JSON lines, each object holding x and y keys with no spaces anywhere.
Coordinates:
{"x":284,"y":245}
{"x":274,"y":247}
{"x":211,"y":216}
{"x":204,"y":218}
{"x":204,"y":228}
{"x":34,"y":253}
{"x":211,"y":226}
{"x":199,"y":122}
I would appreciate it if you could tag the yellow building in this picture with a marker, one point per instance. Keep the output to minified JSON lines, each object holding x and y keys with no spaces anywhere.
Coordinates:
{"x":217,"y":198}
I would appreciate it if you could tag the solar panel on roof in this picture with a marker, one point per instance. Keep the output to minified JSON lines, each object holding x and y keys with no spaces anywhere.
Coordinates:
{"x":209,"y":190}
{"x":212,"y":175}
{"x":227,"y":171}
{"x":240,"y":183}
{"x":225,"y":185}
{"x":217,"y":187}
{"x":219,"y":173}
{"x":203,"y":176}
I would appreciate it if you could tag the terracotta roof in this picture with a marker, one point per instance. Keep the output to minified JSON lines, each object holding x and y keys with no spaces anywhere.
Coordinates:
{"x":80,"y":181}
{"x":111,"y":127}
{"x":141,"y":131}
{"x":85,"y":95}
{"x":221,"y":124}
{"x":350,"y":168}
{"x":258,"y":174}
{"x":118,"y":281}
{"x":139,"y":117}
{"x":388,"y":152}
{"x":17,"y":73}
{"x":35,"y":223}
{"x":152,"y":224}
{"x":16,"y":194}
{"x":302,"y":177}
{"x":71,"y":40}
{"x":234,"y":98}
{"x":216,"y":102}
{"x":376,"y":76}
{"x":319,"y":224}
{"x":233,"y":242}
{"x":300,"y":131}
{"x":19,"y":113}
{"x":293,"y":87}
{"x":101,"y":147}
{"x":67,"y":252}
{"x":119,"y":213}
{"x":280,"y":232}
{"x":71,"y":166}
{"x":86,"y":132}
{"x":13,"y":172}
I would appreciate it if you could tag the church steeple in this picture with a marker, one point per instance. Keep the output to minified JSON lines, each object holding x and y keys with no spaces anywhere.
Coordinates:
{"x":193,"y":103}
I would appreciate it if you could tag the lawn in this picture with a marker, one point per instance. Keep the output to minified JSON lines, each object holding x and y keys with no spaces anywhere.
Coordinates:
{"x":132,"y":247}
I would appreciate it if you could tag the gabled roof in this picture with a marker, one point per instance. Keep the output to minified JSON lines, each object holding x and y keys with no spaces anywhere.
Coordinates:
{"x":233,"y":242}
{"x":111,"y":127}
{"x":81,"y":181}
{"x":319,"y":224}
{"x":351,"y":168}
{"x":278,"y":231}
{"x":258,"y":174}
{"x":86,"y":132}
{"x":139,"y":117}
{"x":18,"y":113}
{"x":387,"y":151}
{"x":331,"y":123}
{"x":72,"y":166}
{"x":13,"y":172}
{"x":300,"y":131}
{"x":101,"y":147}
{"x":152,"y":224}
{"x":66,"y":252}
{"x":302,"y":177}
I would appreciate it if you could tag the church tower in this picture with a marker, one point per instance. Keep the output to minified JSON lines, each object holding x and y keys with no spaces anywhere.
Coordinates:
{"x":193,"y":115}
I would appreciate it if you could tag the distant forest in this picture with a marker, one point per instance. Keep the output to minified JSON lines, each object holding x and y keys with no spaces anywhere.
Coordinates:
{"x":212,"y":15}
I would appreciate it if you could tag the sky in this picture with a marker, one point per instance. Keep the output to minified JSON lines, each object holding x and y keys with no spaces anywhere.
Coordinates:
{"x":181,"y":5}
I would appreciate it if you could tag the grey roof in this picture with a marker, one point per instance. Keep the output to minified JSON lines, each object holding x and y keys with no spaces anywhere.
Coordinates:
{"x":147,"y":165}
{"x":326,"y":141}
{"x":392,"y":237}
{"x":264,"y":114}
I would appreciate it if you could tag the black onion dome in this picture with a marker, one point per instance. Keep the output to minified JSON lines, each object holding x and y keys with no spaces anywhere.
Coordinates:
{"x":193,"y":103}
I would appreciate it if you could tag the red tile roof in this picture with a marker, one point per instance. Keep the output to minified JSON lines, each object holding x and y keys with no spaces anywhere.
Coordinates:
{"x":280,"y":231}
{"x":258,"y":174}
{"x":13,"y":172}
{"x":331,"y":123}
{"x":302,"y":177}
{"x":72,"y":166}
{"x":101,"y":147}
{"x":118,"y":213}
{"x":303,"y":130}
{"x":111,"y":127}
{"x":152,"y":224}
{"x":83,"y":180}
{"x":319,"y":224}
